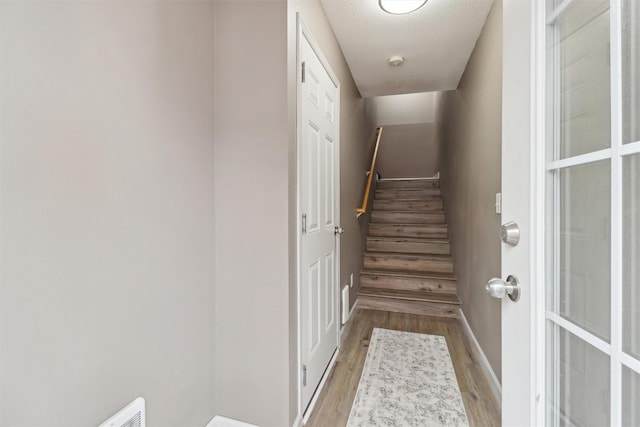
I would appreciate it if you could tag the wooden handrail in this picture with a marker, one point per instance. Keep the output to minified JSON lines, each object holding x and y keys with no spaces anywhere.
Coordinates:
{"x":367,"y":190}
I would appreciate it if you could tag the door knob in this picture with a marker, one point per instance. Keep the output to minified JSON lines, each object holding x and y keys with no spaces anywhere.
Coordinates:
{"x":498,"y":288}
{"x":338,"y":230}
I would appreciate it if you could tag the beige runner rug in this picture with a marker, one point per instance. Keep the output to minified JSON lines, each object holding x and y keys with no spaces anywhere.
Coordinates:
{"x":408,"y":380}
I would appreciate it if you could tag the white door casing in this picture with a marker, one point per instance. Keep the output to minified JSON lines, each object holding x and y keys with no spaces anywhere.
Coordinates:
{"x":318,"y":172}
{"x":519,"y":189}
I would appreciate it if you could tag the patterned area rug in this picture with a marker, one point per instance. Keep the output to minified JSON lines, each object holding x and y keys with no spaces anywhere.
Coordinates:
{"x":408,"y":380}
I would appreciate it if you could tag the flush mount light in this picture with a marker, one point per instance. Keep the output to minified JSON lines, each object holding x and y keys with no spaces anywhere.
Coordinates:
{"x":394,"y":61}
{"x":401,"y":7}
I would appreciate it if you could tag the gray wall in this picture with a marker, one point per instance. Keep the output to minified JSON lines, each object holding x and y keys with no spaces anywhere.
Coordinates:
{"x":409,"y":147}
{"x":107,"y":214}
{"x":253,"y":320}
{"x":408,"y":151}
{"x":255,"y":201}
{"x":470,"y":131}
{"x":116,"y":280}
{"x":402,"y":109}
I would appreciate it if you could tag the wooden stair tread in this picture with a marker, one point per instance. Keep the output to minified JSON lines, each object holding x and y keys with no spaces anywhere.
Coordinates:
{"x":395,"y":224}
{"x":408,"y":199}
{"x":417,"y":206}
{"x":409,"y":273}
{"x":418,"y":189}
{"x":432,"y":199}
{"x":407,"y":255}
{"x":410,"y":295}
{"x":408,"y":239}
{"x":409,"y":179}
{"x":408,"y":183}
{"x":405,"y":211}
{"x":433,"y":231}
{"x":409,"y":194}
{"x":406,"y":195}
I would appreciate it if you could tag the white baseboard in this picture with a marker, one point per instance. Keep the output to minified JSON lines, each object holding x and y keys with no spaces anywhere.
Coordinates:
{"x":298,"y":421}
{"x":496,"y":388}
{"x":220,"y":421}
{"x":355,"y":304}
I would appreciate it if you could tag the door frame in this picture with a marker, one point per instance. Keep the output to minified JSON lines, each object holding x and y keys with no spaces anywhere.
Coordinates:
{"x":523,"y":131}
{"x":303,"y":31}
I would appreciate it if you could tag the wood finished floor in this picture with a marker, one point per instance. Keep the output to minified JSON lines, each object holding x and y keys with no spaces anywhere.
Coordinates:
{"x":334,"y":403}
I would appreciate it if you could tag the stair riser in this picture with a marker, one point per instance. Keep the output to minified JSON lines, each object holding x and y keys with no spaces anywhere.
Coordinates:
{"x":409,"y":247}
{"x":407,"y":205}
{"x":431,"y":232}
{"x":411,"y":307}
{"x":385,"y":185}
{"x":408,"y":283}
{"x":407,"y":194}
{"x":407,"y":217}
{"x":407,"y":264}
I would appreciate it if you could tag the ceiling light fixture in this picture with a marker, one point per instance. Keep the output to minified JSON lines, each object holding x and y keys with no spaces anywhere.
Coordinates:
{"x":401,"y":7}
{"x":396,"y":60}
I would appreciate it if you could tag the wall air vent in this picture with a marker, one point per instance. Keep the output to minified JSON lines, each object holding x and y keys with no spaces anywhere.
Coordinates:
{"x":132,"y":415}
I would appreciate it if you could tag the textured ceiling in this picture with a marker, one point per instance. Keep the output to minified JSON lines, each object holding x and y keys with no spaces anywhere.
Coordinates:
{"x":435,"y":41}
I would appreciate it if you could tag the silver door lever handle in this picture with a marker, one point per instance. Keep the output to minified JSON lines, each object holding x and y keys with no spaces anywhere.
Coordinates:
{"x":338,"y":230}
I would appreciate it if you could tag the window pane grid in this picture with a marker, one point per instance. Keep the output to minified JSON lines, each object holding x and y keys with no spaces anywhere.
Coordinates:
{"x":587,"y":123}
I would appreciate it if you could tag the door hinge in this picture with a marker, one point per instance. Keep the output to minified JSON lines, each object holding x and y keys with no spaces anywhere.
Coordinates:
{"x":304,"y":223}
{"x":303,"y":71}
{"x":304,"y":375}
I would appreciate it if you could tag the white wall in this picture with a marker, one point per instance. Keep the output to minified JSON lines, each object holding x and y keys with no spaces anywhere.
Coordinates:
{"x":106,"y":182}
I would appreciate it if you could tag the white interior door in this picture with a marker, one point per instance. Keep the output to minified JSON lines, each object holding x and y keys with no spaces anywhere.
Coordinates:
{"x":571,"y":345}
{"x":318,"y":204}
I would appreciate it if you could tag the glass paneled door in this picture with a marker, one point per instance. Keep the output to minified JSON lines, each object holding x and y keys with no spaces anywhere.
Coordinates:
{"x":593,"y":212}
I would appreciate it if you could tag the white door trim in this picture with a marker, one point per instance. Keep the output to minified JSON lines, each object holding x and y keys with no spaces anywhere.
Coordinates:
{"x":303,"y":31}
{"x":538,"y":210}
{"x":523,"y":168}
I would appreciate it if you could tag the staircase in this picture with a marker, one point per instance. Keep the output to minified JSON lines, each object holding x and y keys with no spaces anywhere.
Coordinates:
{"x":407,"y":264}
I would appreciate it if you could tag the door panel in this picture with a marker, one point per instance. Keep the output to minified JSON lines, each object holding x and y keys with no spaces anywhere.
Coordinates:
{"x":313,"y":169}
{"x":329,"y":205}
{"x":313,"y":292}
{"x":329,"y":307}
{"x":318,"y":204}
